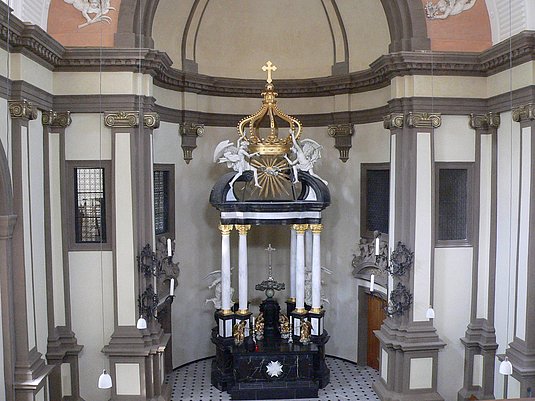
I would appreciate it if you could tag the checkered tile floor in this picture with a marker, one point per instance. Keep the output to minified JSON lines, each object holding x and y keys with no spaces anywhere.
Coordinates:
{"x":348,"y":382}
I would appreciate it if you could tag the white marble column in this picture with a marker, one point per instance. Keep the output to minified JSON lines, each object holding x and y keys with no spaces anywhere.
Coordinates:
{"x":293,"y":245}
{"x":242,"y":267}
{"x":308,"y":249}
{"x":225,"y":268}
{"x":316,"y":267}
{"x":300,"y":268}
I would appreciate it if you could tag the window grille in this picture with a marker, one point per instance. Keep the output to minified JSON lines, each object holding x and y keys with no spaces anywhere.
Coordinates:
{"x":161,"y":201}
{"x":90,"y":205}
{"x":453,"y":204}
{"x":375,"y":198}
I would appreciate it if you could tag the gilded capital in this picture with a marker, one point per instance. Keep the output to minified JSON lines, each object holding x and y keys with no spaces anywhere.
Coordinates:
{"x":316,"y":228}
{"x":393,"y":120}
{"x":484,"y":121}
{"x":300,"y":228}
{"x":243,"y":228}
{"x":423,"y":120}
{"x":523,"y":113}
{"x":151,"y":120}
{"x":56,"y":119}
{"x":22,"y":109}
{"x":121,"y":119}
{"x":225,"y":228}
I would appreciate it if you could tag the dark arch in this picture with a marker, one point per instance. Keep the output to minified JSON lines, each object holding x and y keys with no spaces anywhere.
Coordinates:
{"x":405,"y":18}
{"x":406,"y":23}
{"x":6,"y":192}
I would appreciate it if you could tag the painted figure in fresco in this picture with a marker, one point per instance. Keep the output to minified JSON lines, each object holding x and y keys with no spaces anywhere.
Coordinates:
{"x":99,"y":9}
{"x":444,"y":8}
{"x":307,"y":153}
{"x":236,"y":158}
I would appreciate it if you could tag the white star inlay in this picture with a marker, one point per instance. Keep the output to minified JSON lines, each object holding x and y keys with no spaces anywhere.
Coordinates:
{"x":274,"y":369}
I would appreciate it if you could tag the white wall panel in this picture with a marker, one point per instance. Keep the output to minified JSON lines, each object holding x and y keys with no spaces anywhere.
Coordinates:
{"x":454,"y":140}
{"x":84,"y":136}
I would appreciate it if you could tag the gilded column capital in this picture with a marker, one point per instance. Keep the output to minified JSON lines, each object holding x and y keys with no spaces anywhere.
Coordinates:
{"x":189,"y":133}
{"x":316,"y":228}
{"x":423,"y":120}
{"x":300,"y":228}
{"x":523,"y":113}
{"x":56,"y":119}
{"x":393,"y":121}
{"x":484,"y":121}
{"x":22,"y":109}
{"x":151,"y":120}
{"x":243,"y":228}
{"x":225,"y":229}
{"x":342,"y":134}
{"x":121,"y":119}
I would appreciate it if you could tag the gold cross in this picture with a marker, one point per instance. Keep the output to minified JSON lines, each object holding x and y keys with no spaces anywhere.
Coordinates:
{"x":269,"y":67}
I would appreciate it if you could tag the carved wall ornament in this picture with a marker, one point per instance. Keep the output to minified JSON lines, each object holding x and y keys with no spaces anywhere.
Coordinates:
{"x":22,"y":109}
{"x":189,"y":133}
{"x":522,"y":113}
{"x":485,"y":121}
{"x":56,"y":119}
{"x":342,"y":134}
{"x":121,"y":119}
{"x":393,"y":120}
{"x":443,"y":9}
{"x":93,"y":10}
{"x":400,"y":301}
{"x":423,"y":120}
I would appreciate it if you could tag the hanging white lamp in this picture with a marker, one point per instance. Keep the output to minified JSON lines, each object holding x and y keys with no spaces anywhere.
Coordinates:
{"x":104,"y":380}
{"x":506,"y":367}
{"x":141,"y":323}
{"x":430,"y":313}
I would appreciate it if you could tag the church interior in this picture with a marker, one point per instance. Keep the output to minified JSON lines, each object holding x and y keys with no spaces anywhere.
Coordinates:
{"x":268,"y":190}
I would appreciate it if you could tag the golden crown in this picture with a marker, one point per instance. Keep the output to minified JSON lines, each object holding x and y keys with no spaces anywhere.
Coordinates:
{"x":249,"y":127}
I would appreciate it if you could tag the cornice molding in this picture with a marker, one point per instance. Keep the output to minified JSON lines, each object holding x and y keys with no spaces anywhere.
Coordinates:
{"x":55,"y":119}
{"x":37,"y":44}
{"x":484,"y":121}
{"x":22,"y":109}
{"x":524,"y":113}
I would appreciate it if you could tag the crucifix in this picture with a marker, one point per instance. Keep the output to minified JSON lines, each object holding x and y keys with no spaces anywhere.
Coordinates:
{"x":269,"y":67}
{"x":269,"y":250}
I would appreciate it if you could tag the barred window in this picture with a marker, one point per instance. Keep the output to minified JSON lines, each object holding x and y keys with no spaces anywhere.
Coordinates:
{"x":454,"y":224}
{"x":90,"y":205}
{"x":161,"y":201}
{"x":375,"y":198}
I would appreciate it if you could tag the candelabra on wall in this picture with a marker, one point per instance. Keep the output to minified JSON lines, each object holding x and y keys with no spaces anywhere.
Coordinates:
{"x":401,"y":259}
{"x":160,"y":265}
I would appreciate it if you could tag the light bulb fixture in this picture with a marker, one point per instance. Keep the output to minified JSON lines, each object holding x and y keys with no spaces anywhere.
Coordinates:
{"x":141,"y":323}
{"x":506,"y":367}
{"x":104,"y":381}
{"x":430,"y":313}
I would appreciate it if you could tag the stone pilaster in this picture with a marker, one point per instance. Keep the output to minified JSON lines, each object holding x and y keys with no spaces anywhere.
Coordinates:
{"x":521,"y":351}
{"x":132,"y":350}
{"x":409,"y":343}
{"x":30,"y":369}
{"x":480,"y":338}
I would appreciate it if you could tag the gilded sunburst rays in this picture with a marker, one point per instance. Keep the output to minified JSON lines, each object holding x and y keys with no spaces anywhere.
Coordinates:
{"x":273,"y":173}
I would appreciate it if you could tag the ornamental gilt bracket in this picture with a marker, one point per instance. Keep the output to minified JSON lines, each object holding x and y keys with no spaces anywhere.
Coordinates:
{"x":22,"y":109}
{"x":523,"y":113}
{"x":342,"y":134}
{"x":130,"y":119}
{"x":56,"y":119}
{"x":189,"y":133}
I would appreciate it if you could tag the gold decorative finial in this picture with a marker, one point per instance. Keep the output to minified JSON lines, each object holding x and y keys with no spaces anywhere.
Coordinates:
{"x":269,"y":67}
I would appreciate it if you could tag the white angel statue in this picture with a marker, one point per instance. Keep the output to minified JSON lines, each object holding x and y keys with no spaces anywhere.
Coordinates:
{"x":98,"y":7}
{"x":444,"y":8}
{"x":306,"y":155}
{"x":216,"y":300}
{"x":236,"y":158}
